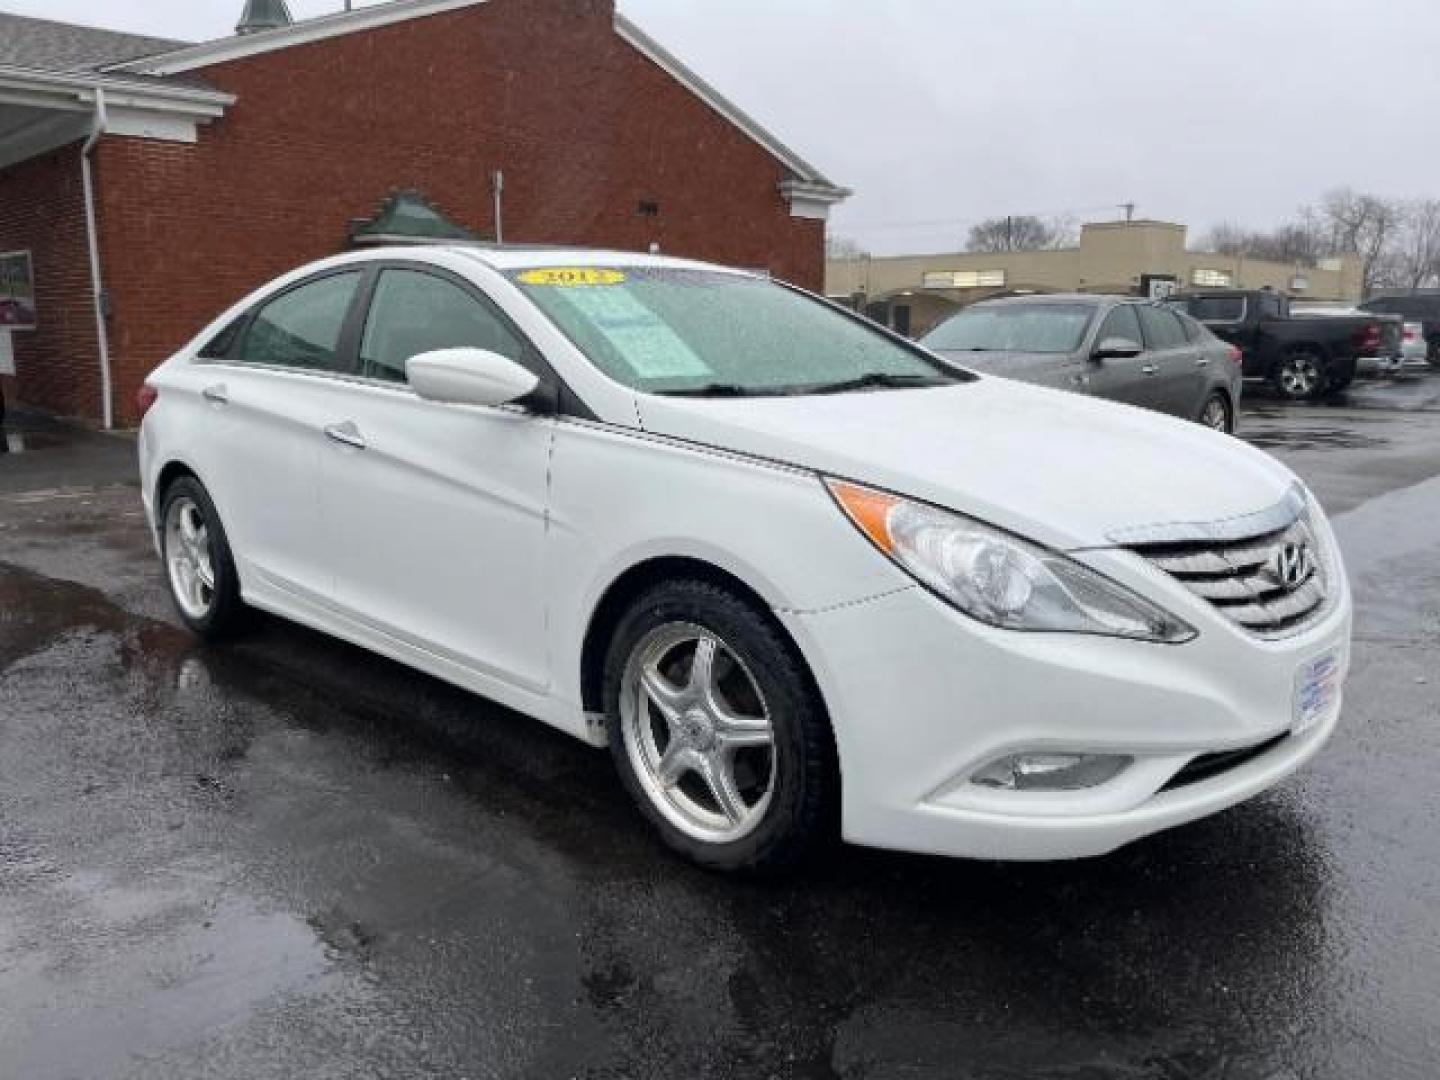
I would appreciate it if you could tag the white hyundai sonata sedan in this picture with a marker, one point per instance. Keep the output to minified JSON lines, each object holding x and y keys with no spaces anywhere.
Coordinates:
{"x":802,"y":577}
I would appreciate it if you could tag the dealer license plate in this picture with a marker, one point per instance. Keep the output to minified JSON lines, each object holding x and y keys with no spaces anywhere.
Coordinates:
{"x":1317,"y":691}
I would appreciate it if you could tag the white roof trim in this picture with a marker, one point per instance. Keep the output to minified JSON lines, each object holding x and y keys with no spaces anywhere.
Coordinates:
{"x":667,"y":61}
{"x":48,"y":89}
{"x":223,"y":50}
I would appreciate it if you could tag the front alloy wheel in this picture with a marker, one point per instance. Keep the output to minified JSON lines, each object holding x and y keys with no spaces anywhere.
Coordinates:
{"x":717,"y":730}
{"x":697,"y":730}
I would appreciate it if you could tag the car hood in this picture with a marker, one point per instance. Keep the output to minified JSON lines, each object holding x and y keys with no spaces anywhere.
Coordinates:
{"x":1060,"y":468}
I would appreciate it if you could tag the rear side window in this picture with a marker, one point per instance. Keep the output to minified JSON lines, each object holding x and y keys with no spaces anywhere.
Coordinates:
{"x":1122,"y":323}
{"x":302,"y":328}
{"x":414,"y":312}
{"x":1162,"y":328}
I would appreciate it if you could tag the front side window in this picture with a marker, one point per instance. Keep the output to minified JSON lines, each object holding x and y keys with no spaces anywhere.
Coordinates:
{"x":415,"y":312}
{"x":1162,"y":328}
{"x":302,"y":328}
{"x":1020,"y":328}
{"x":1122,"y":323}
{"x":677,"y":330}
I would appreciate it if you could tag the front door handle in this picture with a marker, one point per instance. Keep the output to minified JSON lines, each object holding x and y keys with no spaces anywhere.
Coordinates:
{"x":216,"y":395}
{"x":346,"y":434}
{"x":1203,"y":361}
{"x":1150,"y":369}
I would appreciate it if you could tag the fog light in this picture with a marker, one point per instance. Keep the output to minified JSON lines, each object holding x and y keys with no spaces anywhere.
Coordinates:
{"x":1052,"y":772}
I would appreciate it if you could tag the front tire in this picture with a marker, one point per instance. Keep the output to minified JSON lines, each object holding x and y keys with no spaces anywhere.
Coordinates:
{"x":199,"y":566}
{"x":717,"y":731}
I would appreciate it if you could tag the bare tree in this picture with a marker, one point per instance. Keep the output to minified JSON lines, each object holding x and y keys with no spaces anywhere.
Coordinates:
{"x":1416,"y":260}
{"x":1362,"y":225}
{"x":838,"y":248}
{"x":1298,"y":242}
{"x":1020,"y":232}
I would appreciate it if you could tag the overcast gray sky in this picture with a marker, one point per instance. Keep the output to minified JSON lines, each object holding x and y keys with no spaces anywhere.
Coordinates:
{"x":942,"y":112}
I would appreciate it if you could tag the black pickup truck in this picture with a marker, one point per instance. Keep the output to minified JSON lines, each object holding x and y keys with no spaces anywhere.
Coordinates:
{"x":1301,"y":357}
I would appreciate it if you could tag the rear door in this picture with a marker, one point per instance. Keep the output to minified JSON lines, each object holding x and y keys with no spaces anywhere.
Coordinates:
{"x":1121,"y":378}
{"x":1174,"y":370}
{"x":268,"y":392}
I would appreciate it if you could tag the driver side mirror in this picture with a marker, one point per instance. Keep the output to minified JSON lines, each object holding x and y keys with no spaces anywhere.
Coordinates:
{"x":469,"y":377}
{"x":1117,"y":348}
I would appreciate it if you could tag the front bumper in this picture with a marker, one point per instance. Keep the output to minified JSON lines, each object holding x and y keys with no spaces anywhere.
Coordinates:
{"x":921,"y":696}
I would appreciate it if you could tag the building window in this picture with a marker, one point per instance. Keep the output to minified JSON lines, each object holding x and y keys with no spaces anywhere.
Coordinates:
{"x":1212,"y":279}
{"x":965,"y":279}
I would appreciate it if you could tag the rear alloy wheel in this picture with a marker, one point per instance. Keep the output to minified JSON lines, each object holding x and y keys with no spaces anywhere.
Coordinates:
{"x":1217,"y":414}
{"x":198,"y":563}
{"x":716,"y":730}
{"x":1299,"y":376}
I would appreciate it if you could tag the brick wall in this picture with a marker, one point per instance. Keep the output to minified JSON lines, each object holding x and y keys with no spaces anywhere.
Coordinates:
{"x":584,"y":127}
{"x":42,"y":210}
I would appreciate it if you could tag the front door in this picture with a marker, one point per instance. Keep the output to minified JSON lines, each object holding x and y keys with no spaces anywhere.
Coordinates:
{"x":1122,"y":378}
{"x":437,"y":513}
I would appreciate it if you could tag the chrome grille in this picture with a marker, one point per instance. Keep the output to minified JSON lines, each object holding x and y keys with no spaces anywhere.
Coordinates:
{"x":1244,"y":579}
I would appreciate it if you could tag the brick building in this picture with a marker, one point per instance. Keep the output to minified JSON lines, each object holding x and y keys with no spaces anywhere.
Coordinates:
{"x":153,"y":183}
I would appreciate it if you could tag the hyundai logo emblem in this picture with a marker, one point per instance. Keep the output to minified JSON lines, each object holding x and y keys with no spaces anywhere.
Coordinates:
{"x":1291,"y":566}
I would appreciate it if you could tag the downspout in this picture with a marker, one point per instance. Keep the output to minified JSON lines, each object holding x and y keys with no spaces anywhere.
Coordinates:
{"x":497,"y":183}
{"x":97,"y":284}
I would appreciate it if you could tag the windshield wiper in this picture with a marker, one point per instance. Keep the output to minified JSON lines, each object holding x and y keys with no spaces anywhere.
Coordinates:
{"x":880,"y":380}
{"x":725,"y":390}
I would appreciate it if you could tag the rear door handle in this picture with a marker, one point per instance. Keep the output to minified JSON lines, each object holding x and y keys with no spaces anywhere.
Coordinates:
{"x":1203,"y":361}
{"x":216,"y":395}
{"x":346,"y":434}
{"x":1150,"y":369}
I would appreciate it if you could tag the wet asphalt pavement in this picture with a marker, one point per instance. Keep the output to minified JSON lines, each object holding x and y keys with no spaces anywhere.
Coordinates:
{"x":287,"y":858}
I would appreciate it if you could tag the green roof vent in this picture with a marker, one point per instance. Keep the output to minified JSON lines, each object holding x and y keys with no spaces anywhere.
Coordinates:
{"x":263,"y":15}
{"x":408,"y":217}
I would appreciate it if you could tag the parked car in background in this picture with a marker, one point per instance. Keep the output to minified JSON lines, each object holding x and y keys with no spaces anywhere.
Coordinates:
{"x":1423,"y":308}
{"x":1301,"y":357}
{"x":800,"y":576}
{"x":1117,"y":348}
{"x":1375,"y":364}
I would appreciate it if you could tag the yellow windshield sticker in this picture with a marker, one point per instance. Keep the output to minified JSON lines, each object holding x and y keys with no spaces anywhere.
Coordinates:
{"x":572,"y":277}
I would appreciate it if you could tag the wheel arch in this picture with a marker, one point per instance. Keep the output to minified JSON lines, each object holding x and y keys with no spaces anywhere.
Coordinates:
{"x":621,"y":593}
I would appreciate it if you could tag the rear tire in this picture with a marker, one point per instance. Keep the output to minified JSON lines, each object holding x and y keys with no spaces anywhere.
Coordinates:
{"x":199,"y":566}
{"x":1217,"y":414}
{"x":718,"y":732}
{"x":1301,"y":375}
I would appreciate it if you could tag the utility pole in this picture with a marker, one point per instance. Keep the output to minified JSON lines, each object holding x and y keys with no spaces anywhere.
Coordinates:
{"x":1009,"y":233}
{"x":1129,"y":208}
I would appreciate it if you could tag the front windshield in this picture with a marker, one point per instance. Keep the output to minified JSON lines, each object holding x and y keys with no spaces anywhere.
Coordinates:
{"x":677,"y":330}
{"x":1021,"y":328}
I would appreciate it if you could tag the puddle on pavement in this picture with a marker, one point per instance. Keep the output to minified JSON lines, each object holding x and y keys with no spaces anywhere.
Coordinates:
{"x":1314,"y":438}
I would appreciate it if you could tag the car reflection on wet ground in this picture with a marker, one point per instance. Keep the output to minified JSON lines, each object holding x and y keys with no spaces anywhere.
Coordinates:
{"x":288,"y":857}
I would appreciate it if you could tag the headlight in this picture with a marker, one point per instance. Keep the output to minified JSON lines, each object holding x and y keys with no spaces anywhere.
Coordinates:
{"x":1000,"y":579}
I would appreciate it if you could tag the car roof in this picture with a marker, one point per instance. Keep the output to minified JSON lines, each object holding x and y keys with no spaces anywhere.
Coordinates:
{"x":530,"y":256}
{"x":520,"y":257}
{"x":1095,"y":299}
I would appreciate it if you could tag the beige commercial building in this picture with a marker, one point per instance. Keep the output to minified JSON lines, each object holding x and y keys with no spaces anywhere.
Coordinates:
{"x":913,"y":292}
